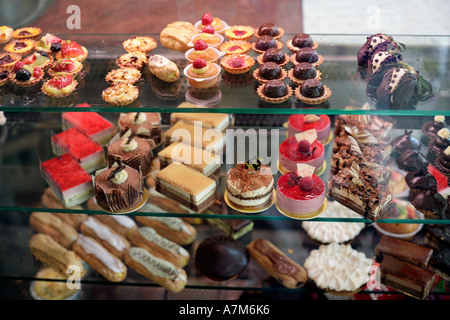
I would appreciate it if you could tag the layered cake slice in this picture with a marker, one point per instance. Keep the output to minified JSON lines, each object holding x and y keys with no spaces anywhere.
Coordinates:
{"x":196,"y":158}
{"x":146,"y":125}
{"x":68,"y":180}
{"x":219,"y":121}
{"x":92,"y":124}
{"x":187,"y":186}
{"x":211,"y":140}
{"x":88,"y":153}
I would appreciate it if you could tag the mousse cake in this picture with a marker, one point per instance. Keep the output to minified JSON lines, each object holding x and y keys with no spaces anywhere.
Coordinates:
{"x":303,"y":122}
{"x":146,"y":125}
{"x":187,"y":186}
{"x":70,"y":182}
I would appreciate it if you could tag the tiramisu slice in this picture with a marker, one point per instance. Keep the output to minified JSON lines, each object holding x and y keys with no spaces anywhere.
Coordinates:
{"x":187,"y":186}
{"x":196,"y":158}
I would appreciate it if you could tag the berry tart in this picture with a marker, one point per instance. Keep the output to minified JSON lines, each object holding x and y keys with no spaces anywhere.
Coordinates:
{"x":120,"y":94}
{"x":72,"y":50}
{"x":269,"y":71}
{"x":303,"y":122}
{"x":202,"y":74}
{"x":269,"y":29}
{"x":61,"y":85}
{"x":273,"y":55}
{"x":5,"y":34}
{"x":68,"y":66}
{"x":301,"y":40}
{"x":274,"y":91}
{"x":39,"y":59}
{"x":307,"y":54}
{"x":237,"y":64}
{"x":312,"y":91}
{"x":303,"y":71}
{"x":8,"y":60}
{"x":302,"y":148}
{"x":202,"y":50}
{"x":240,"y":32}
{"x":300,"y":194}
{"x":264,"y":43}
{"x":133,"y":60}
{"x":4,"y":77}
{"x":207,"y":19}
{"x":22,"y":47}
{"x":26,"y":33}
{"x":235,"y":47}
{"x":140,"y":44}
{"x":125,"y":75}
{"x":49,"y":43}
{"x":25,"y":75}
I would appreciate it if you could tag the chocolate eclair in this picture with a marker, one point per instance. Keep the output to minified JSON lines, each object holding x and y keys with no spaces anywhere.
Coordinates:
{"x":375,"y":43}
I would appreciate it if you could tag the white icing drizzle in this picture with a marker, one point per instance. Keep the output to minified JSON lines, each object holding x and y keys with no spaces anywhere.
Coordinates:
{"x":105,"y":234}
{"x":396,"y":76}
{"x":158,"y":267}
{"x":172,"y":223}
{"x":378,"y":59}
{"x":91,"y":246}
{"x":151,"y":235}
{"x":158,"y":61}
{"x":125,"y":221}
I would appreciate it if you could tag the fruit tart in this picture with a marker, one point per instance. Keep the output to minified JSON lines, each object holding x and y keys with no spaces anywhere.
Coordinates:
{"x":140,"y":44}
{"x":5,"y":34}
{"x":39,"y":59}
{"x":237,"y":64}
{"x":26,"y":33}
{"x":25,"y":75}
{"x":132,"y":59}
{"x":235,"y":47}
{"x":22,"y":47}
{"x":70,"y":66}
{"x":49,"y":43}
{"x":8,"y":60}
{"x":61,"y":85}
{"x":202,"y":74}
{"x":125,"y":75}
{"x":240,"y":33}
{"x":4,"y":77}
{"x":207,"y":19}
{"x":120,"y":94}
{"x":72,"y":50}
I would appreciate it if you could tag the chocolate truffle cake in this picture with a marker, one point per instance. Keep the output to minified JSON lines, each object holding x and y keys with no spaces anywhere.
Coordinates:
{"x":404,"y":142}
{"x":307,"y":54}
{"x":144,"y":125}
{"x":429,"y":202}
{"x":421,"y":180}
{"x":431,"y":128}
{"x":379,"y":64}
{"x":375,"y":43}
{"x":274,"y":55}
{"x":265,"y":42}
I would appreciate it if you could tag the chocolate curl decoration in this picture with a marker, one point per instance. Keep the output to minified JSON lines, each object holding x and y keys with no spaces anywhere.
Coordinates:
{"x":294,"y":179}
{"x":136,"y":116}
{"x":116,"y":170}
{"x":254,"y":164}
{"x":130,"y":137}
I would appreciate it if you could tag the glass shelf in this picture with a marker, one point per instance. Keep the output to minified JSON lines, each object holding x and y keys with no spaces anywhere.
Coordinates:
{"x":237,"y":93}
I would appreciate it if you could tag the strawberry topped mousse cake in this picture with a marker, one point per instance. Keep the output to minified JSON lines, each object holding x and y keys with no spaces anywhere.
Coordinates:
{"x":300,"y":193}
{"x":302,"y":148}
{"x":303,"y":122}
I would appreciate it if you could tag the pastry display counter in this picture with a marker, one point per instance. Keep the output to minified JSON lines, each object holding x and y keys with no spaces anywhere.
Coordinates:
{"x":33,"y":118}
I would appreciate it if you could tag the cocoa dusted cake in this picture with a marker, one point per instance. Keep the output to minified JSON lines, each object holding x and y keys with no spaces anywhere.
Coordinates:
{"x":145,"y":125}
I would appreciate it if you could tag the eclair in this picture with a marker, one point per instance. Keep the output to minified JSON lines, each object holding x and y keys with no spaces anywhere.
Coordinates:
{"x":107,"y":237}
{"x":55,"y":256}
{"x":149,"y":239}
{"x":156,"y":269}
{"x":53,"y":226}
{"x":277,"y":264}
{"x":174,"y":229}
{"x":100,"y":259}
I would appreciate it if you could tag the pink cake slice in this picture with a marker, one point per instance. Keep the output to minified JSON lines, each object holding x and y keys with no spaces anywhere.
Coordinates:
{"x":68,"y":179}
{"x":92,"y":124}
{"x":88,"y":153}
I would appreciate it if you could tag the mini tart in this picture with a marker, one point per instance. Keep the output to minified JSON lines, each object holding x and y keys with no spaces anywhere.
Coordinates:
{"x":53,"y":92}
{"x":260,"y":92}
{"x":26,"y":33}
{"x":29,"y":83}
{"x":315,"y":64}
{"x":26,"y":46}
{"x":313,"y":101}
{"x":132,"y":59}
{"x":235,"y":47}
{"x":298,"y":82}
{"x":81,"y":57}
{"x":78,"y":66}
{"x":279,"y":46}
{"x":262,"y":80}
{"x":295,"y":49}
{"x":4,"y":77}
{"x":120,"y":94}
{"x":260,"y":60}
{"x":12,"y":56}
{"x":239,"y":32}
{"x":5,"y":34}
{"x":44,"y":65}
{"x":125,"y":75}
{"x":140,"y":44}
{"x":280,"y":34}
{"x":229,"y":63}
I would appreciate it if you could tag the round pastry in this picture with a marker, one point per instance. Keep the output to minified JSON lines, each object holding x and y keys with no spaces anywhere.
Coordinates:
{"x":237,"y":64}
{"x":4,"y":77}
{"x":39,"y":59}
{"x":301,"y":40}
{"x":328,"y":232}
{"x":421,"y":180}
{"x":49,"y":43}
{"x":303,"y":71}
{"x":5,"y":34}
{"x":131,"y":151}
{"x":266,"y":42}
{"x":68,"y":66}
{"x":274,"y":91}
{"x":118,"y":188}
{"x":121,"y":94}
{"x":213,"y":40}
{"x":22,"y":47}
{"x":124,"y":75}
{"x":8,"y":60}
{"x":202,"y":74}
{"x":134,"y":59}
{"x":269,"y":71}
{"x":437,"y":146}
{"x":303,"y":122}
{"x":239,"y":32}
{"x":429,"y":202}
{"x":25,"y":75}
{"x":338,"y":268}
{"x":404,"y":142}
{"x":51,"y":290}
{"x":431,"y":128}
{"x":400,"y":209}
{"x":302,"y":148}
{"x":375,"y":43}
{"x":307,"y":54}
{"x":72,"y":50}
{"x":145,"y":125}
{"x":202,"y":50}
{"x":26,"y":33}
{"x":397,"y":183}
{"x":412,"y":160}
{"x":442,"y":162}
{"x":378,"y":65}
{"x":312,"y":91}
{"x":235,"y":47}
{"x":140,"y":43}
{"x":221,"y":258}
{"x":269,"y":29}
{"x":274,"y":55}
{"x":300,"y":194}
{"x":61,"y":85}
{"x":249,"y":186}
{"x":207,"y":19}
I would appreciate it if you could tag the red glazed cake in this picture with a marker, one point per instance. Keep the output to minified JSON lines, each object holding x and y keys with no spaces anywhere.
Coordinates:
{"x":89,"y":154}
{"x":68,"y":179}
{"x":302,"y":148}
{"x":303,"y":122}
{"x":300,"y":192}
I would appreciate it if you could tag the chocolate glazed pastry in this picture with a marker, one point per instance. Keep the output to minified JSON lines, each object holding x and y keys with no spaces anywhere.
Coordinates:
{"x":274,"y":55}
{"x":421,"y":180}
{"x":430,"y":203}
{"x":398,"y":89}
{"x":302,"y":40}
{"x":307,"y":54}
{"x":265,"y":42}
{"x":275,"y":89}
{"x":404,"y":142}
{"x":379,"y":64}
{"x":304,"y":71}
{"x":375,"y":43}
{"x":412,"y":160}
{"x":269,"y":71}
{"x":268,"y":29}
{"x":312,"y":88}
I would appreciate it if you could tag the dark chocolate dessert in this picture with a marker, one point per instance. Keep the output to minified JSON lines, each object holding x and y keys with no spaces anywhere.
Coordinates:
{"x":437,"y":146}
{"x":430,"y":203}
{"x":375,"y":43}
{"x":442,"y":162}
{"x":312,"y":88}
{"x":379,"y":64}
{"x":437,"y":235}
{"x":302,"y":40}
{"x":274,"y":55}
{"x":306,"y":55}
{"x":440,"y":263}
{"x":431,"y":128}
{"x":268,"y":29}
{"x":270,"y":71}
{"x":304,"y":71}
{"x":275,"y":89}
{"x":412,"y":160}
{"x":421,"y":180}
{"x":404,"y":142}
{"x":265,"y":42}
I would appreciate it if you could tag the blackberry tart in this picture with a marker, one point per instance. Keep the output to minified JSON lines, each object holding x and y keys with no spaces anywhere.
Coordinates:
{"x":312,"y":91}
{"x":307,"y":54}
{"x":302,"y":72}
{"x":269,"y":71}
{"x":25,"y":75}
{"x":274,"y":91}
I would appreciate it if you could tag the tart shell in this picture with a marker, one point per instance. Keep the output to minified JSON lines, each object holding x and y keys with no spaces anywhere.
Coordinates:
{"x":72,"y":73}
{"x":250,"y":62}
{"x":9,"y":66}
{"x":28,"y":83}
{"x":116,"y":76}
{"x":262,"y":80}
{"x":315,"y":64}
{"x":250,"y":31}
{"x":295,"y":49}
{"x":24,"y":51}
{"x":244,"y":44}
{"x":147,"y":44}
{"x":109,"y":95}
{"x":125,"y":60}
{"x":298,"y":81}
{"x":62,"y":95}
{"x":34,"y":32}
{"x":260,"y":93}
{"x":279,"y":46}
{"x":281,"y":33}
{"x":313,"y":101}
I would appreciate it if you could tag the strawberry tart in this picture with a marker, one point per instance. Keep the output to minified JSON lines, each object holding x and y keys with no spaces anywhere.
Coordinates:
{"x":68,"y":66}
{"x":72,"y":50}
{"x":25,"y":75}
{"x":61,"y":85}
{"x":303,"y":122}
{"x":49,"y":43}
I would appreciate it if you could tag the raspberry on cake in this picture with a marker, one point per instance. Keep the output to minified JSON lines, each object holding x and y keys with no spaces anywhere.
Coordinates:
{"x":88,"y":153}
{"x":68,"y":179}
{"x":208,"y":20}
{"x":303,"y":122}
{"x":202,"y":50}
{"x":202,"y":74}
